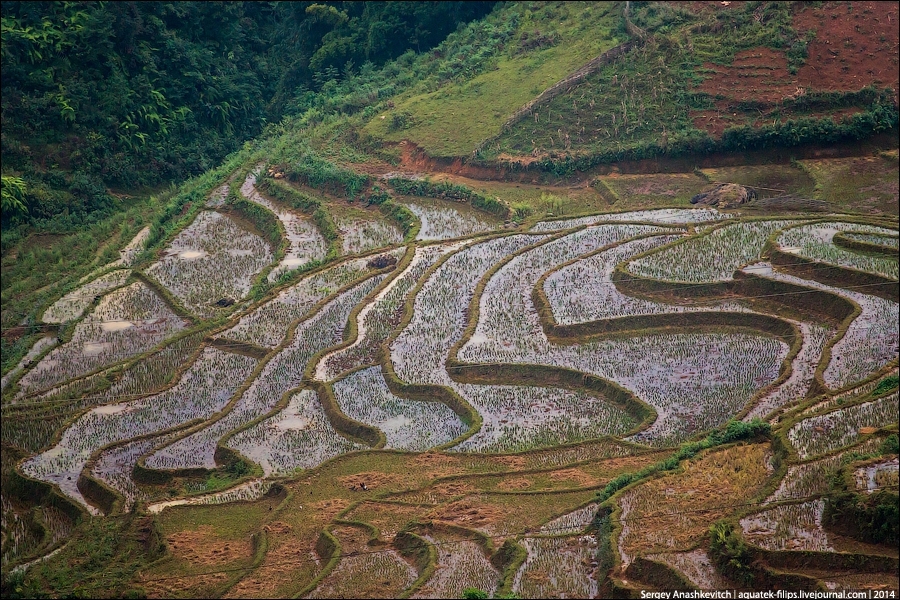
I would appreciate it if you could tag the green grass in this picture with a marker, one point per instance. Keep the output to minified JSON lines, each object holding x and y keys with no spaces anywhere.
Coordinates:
{"x":454,"y":119}
{"x":866,"y":184}
{"x":643,"y":103}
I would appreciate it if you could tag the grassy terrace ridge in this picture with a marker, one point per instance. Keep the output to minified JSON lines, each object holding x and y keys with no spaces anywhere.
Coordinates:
{"x":456,"y":325}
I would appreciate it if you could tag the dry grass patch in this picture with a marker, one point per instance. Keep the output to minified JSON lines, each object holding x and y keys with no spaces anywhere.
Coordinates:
{"x":468,"y":512}
{"x":577,"y":477}
{"x":189,"y":586}
{"x":204,"y":547}
{"x":388,"y":517}
{"x":514,"y":484}
{"x":328,"y":509}
{"x":675,"y":512}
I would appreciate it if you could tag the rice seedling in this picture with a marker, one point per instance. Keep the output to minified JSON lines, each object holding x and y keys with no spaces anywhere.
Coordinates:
{"x":839,"y":428}
{"x":881,"y":474}
{"x":27,"y":360}
{"x":560,"y":567}
{"x":153,"y":371}
{"x":696,"y":567}
{"x":364,"y":573}
{"x":32,"y":422}
{"x":282,"y":373}
{"x":245,"y":492}
{"x":694,"y":381}
{"x":805,"y":480}
{"x":203,"y":389}
{"x":73,"y":304}
{"x":126,"y":322}
{"x":305,"y":242}
{"x":361,"y":234}
{"x":461,"y":564}
{"x":298,"y":437}
{"x":211,"y":260}
{"x":803,"y":370}
{"x":815,"y":242}
{"x":870,"y":341}
{"x":421,"y":349}
{"x":266,"y":325}
{"x":888,"y":241}
{"x":377,"y":320}
{"x":850,"y":394}
{"x":664,"y":514}
{"x":407,"y":425}
{"x":517,"y":418}
{"x":444,"y":219}
{"x":114,"y":467}
{"x":789,"y":527}
{"x":714,"y":256}
{"x":584,"y":290}
{"x":573,"y":522}
{"x":662,"y":216}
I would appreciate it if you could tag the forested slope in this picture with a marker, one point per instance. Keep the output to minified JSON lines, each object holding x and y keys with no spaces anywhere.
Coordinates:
{"x":126,"y":94}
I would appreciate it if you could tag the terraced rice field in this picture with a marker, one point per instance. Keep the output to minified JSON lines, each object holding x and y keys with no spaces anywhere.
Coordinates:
{"x":681,"y":506}
{"x":789,"y":527}
{"x":213,"y":259}
{"x":839,"y":428}
{"x":298,"y":437}
{"x":365,"y":573}
{"x":713,"y":256}
{"x":408,"y":425}
{"x":870,"y":341}
{"x":663,"y":216}
{"x":361,"y":232}
{"x":281,"y":374}
{"x":267,"y":325}
{"x":584,"y":290}
{"x":558,"y":565}
{"x":305,"y":243}
{"x":72,"y":305}
{"x":444,"y":219}
{"x":455,"y":350}
{"x":461,"y":564}
{"x":204,"y":389}
{"x":126,"y":322}
{"x":815,"y":242}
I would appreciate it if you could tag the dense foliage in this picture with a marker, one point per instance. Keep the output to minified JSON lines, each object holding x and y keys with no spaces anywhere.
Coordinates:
{"x":125,"y":94}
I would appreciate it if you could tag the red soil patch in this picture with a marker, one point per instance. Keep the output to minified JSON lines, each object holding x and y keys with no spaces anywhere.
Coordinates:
{"x":514,"y":462}
{"x":760,"y":74}
{"x":848,"y":52}
{"x":855,"y":45}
